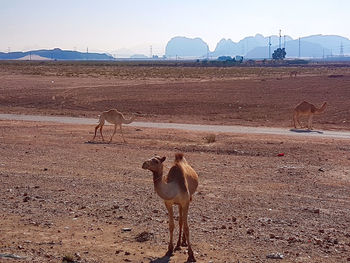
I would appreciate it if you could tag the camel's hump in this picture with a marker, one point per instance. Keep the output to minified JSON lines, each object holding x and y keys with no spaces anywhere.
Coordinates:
{"x":179,"y":157}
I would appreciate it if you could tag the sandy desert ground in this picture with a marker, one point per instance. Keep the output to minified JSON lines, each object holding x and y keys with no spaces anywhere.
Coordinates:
{"x":63,"y":197}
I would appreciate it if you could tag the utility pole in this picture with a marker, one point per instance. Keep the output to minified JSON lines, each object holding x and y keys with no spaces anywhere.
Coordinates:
{"x":284,"y":41}
{"x":270,"y":47}
{"x":150,"y":52}
{"x":299,"y":48}
{"x":322,"y":54}
{"x":87,"y":53}
{"x":280,"y":40}
{"x":341,"y":54}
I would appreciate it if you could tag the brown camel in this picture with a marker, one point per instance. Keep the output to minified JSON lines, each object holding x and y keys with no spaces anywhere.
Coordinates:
{"x":176,"y":188}
{"x":306,"y":109}
{"x":293,"y":74}
{"x":115,"y":117}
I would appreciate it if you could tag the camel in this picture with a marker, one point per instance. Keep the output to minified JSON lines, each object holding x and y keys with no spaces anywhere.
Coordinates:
{"x":293,"y":73}
{"x":307,"y":109}
{"x":115,"y":117}
{"x":176,"y":188}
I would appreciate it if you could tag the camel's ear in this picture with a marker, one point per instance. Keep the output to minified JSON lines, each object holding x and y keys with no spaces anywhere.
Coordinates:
{"x":162,"y":159}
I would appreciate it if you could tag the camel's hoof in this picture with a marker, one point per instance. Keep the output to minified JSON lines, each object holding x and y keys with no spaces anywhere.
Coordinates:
{"x":184,"y":244}
{"x":169,"y":253}
{"x":191,"y":259}
{"x":177,"y":248}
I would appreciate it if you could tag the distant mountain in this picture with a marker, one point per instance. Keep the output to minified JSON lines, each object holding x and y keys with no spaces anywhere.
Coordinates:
{"x":244,"y":46}
{"x":225,"y":47}
{"x":254,"y":47}
{"x":186,"y":47}
{"x":331,"y":42}
{"x":55,"y":54}
{"x":33,"y":57}
{"x":139,"y":56}
{"x":307,"y":49}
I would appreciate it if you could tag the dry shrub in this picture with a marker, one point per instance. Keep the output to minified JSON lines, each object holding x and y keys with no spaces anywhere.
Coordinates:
{"x":210,"y":138}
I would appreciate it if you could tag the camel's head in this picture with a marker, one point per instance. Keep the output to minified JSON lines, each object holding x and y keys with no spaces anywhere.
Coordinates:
{"x":155,"y":164}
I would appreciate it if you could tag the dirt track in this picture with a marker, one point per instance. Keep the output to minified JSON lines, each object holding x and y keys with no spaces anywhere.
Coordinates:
{"x":62,"y":196}
{"x":188,"y":127}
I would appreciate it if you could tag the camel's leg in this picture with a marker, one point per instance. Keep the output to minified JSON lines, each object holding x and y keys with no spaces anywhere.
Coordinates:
{"x":183,"y":242}
{"x":187,"y":234}
{"x":295,"y":119}
{"x":171,"y":229}
{"x":103,"y":139}
{"x":115,"y":130}
{"x":310,"y":122}
{"x":121,"y":131}
{"x":178,"y":245}
{"x":96,"y":128}
{"x":298,"y":121}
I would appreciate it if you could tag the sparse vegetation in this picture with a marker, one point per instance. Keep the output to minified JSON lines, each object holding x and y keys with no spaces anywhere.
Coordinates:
{"x":68,"y":259}
{"x":210,"y":138}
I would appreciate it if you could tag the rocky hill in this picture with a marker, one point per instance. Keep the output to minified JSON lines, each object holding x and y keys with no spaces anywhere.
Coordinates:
{"x":55,"y":54}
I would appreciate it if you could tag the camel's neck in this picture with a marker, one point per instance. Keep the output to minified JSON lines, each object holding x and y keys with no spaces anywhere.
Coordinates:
{"x":127,"y":121}
{"x":323,"y":107}
{"x":166,"y":191}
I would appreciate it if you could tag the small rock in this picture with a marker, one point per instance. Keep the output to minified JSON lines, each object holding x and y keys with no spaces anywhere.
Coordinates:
{"x":77,"y":256}
{"x":321,"y":169}
{"x":144,"y":236}
{"x":318,"y":241}
{"x":223,"y":227}
{"x":275,"y":256}
{"x":126,"y":229}
{"x":26,"y":199}
{"x":10,"y":256}
{"x":45,"y":169}
{"x":250,"y":231}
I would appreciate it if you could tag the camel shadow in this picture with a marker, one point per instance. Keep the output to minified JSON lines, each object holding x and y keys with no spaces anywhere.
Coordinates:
{"x":306,"y":131}
{"x":165,"y":259}
{"x":103,"y":142}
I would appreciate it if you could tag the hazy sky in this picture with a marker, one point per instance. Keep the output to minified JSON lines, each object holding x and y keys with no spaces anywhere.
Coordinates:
{"x":109,"y":25}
